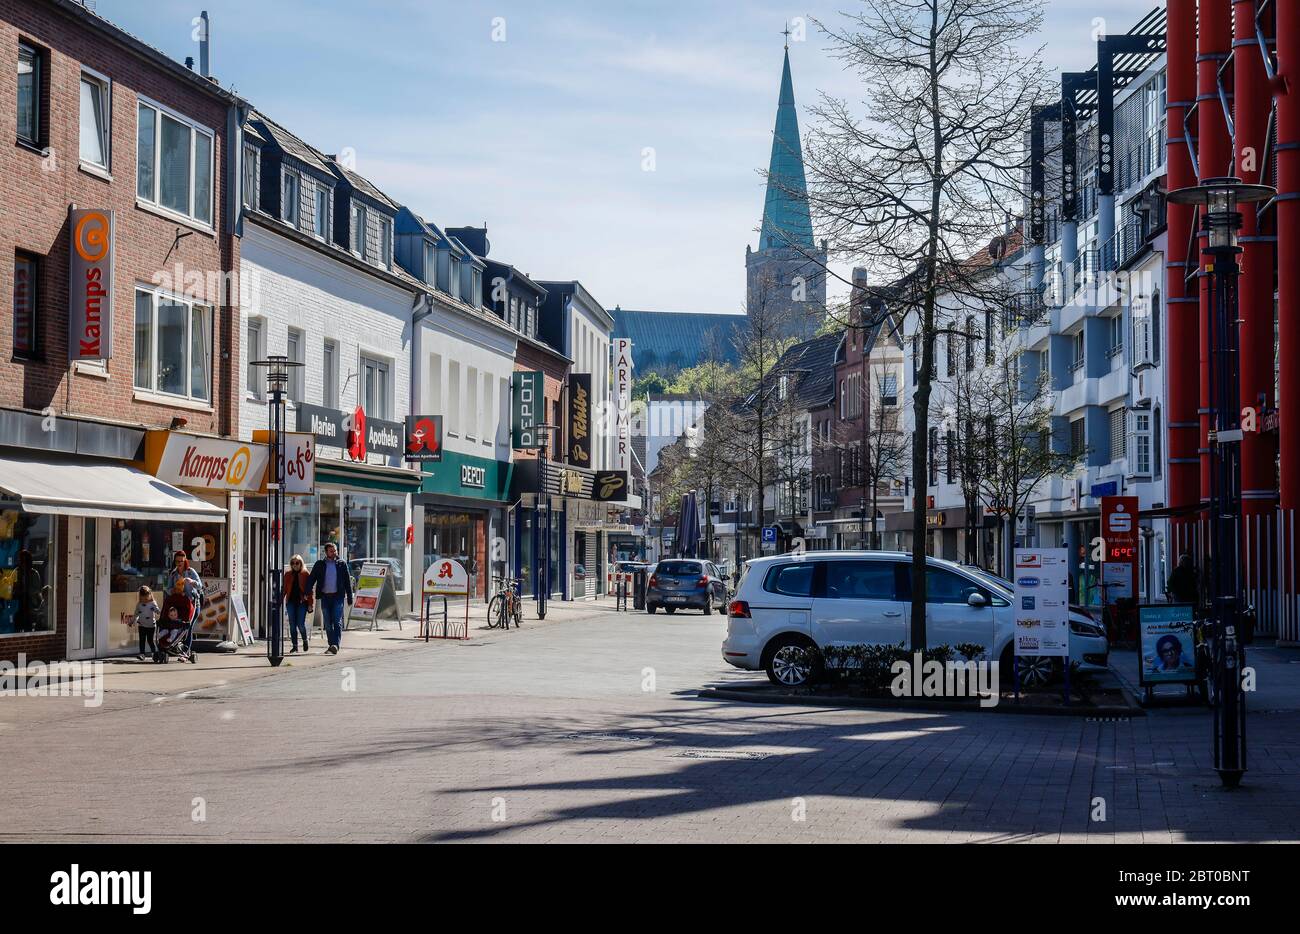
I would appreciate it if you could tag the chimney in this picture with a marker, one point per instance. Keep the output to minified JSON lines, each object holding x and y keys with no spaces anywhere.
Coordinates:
{"x":189,"y":62}
{"x":205,"y":46}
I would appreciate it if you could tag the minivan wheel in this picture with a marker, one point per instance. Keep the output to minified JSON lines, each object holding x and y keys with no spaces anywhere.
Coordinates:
{"x":1036,"y":671}
{"x":792,"y":662}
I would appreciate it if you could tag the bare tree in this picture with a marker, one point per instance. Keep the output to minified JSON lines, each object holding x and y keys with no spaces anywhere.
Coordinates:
{"x":921,"y":181}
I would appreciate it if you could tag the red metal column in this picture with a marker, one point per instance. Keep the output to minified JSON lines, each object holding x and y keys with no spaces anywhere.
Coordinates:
{"x":1182,"y":305}
{"x":1214,"y":160}
{"x":1250,"y":107}
{"x":1288,"y":249}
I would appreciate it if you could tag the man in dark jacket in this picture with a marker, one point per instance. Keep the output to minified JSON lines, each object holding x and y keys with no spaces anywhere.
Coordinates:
{"x":1184,"y":586}
{"x":330,"y":581}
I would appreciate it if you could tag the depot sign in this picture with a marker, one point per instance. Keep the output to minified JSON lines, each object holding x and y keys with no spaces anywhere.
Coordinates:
{"x":90,"y":285}
{"x":201,"y":463}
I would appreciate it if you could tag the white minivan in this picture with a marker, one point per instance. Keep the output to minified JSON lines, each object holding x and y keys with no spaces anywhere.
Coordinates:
{"x":787,"y":603}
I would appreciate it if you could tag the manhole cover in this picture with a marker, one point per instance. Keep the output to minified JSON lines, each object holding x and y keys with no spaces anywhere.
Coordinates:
{"x":734,"y":754}
{"x":609,"y":737}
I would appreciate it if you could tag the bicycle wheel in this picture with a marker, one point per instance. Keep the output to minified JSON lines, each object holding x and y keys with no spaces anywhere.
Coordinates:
{"x":517,"y":610}
{"x":494,"y":611}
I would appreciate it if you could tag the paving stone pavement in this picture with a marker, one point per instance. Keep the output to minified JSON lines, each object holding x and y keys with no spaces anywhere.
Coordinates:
{"x":588,"y":728}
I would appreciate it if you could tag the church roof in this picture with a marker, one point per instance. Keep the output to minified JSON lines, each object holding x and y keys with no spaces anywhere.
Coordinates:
{"x":667,"y":341}
{"x":786,"y":221}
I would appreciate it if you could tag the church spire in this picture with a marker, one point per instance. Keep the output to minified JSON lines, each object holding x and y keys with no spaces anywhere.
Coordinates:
{"x":786,"y":221}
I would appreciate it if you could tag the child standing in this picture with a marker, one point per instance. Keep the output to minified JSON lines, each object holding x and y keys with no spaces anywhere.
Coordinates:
{"x":146,"y":619}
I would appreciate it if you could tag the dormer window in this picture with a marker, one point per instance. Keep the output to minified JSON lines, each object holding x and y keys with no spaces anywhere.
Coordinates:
{"x":289,"y":183}
{"x":430,"y":264}
{"x":357,"y":233}
{"x":385,"y":242}
{"x":321,"y":217}
{"x":476,"y":289}
{"x":454,"y":284}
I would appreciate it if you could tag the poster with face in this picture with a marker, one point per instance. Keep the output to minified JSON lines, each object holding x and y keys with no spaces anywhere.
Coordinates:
{"x":1168,"y":654}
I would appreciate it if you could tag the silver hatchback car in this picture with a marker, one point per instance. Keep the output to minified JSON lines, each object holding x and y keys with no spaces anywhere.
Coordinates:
{"x":788,"y":603}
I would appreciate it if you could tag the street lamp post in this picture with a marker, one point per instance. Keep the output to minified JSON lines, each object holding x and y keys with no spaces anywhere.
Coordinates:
{"x":278,"y":367}
{"x":1218,"y":199}
{"x":544,"y":531}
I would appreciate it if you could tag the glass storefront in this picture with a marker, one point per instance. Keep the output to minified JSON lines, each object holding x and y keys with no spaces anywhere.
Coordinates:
{"x":140,"y":555}
{"x":365,"y":526}
{"x":459,"y":535}
{"x":27,"y":580}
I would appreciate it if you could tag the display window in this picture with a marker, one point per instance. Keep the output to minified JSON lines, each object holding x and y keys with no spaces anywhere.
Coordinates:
{"x":27,"y":578}
{"x":141,"y":554}
{"x":456,"y":535}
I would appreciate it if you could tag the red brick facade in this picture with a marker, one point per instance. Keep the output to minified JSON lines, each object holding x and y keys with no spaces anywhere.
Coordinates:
{"x":37,"y":190}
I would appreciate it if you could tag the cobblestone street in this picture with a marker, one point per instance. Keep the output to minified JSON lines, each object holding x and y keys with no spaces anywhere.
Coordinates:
{"x":588,"y":727}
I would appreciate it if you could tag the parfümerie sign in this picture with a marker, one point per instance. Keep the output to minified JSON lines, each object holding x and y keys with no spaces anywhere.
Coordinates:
{"x":90,"y":285}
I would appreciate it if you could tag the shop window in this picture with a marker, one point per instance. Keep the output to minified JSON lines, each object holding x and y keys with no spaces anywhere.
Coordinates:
{"x":26,"y":305}
{"x":173,"y":346}
{"x":141,"y":554}
{"x":374,"y":529}
{"x":27,"y":578}
{"x":173,"y":162}
{"x":456,"y":535}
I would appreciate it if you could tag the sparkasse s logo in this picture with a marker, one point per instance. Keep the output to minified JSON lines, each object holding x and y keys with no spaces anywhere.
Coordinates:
{"x":79,"y":886}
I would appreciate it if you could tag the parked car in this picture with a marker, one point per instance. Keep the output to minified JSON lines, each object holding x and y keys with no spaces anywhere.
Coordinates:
{"x":628,"y":567}
{"x":787,"y":603}
{"x":679,"y":583}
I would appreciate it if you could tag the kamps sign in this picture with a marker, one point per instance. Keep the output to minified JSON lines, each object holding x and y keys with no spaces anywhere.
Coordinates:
{"x":90,"y":285}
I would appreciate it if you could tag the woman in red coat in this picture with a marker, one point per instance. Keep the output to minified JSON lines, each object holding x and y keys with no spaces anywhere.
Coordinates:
{"x":297,"y":601}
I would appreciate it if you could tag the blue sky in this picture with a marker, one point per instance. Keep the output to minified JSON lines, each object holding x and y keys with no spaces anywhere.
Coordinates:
{"x":544,"y":135}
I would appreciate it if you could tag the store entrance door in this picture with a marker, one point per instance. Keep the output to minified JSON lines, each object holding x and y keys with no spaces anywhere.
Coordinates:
{"x":87,"y":563}
{"x":255,"y":597}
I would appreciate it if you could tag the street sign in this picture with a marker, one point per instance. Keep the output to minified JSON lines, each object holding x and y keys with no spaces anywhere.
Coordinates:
{"x":446,"y":577}
{"x":1042,"y":595}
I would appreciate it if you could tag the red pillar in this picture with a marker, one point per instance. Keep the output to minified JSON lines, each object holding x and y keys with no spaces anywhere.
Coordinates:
{"x":1288,"y":249}
{"x":1214,"y":160}
{"x":1180,"y":302}
{"x":1250,"y":107}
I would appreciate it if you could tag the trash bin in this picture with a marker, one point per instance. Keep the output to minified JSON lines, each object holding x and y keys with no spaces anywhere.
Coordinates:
{"x":638,"y":589}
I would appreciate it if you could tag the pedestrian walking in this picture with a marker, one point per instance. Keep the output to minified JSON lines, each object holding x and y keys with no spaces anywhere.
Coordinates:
{"x":145,"y":620}
{"x":297,"y":601}
{"x":1184,"y":584}
{"x":332,"y":586}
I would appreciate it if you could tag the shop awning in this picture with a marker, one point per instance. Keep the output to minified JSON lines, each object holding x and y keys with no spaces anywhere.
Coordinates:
{"x":99,"y":489}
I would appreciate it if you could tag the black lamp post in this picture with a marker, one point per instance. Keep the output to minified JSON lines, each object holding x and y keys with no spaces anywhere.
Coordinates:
{"x":544,"y":531}
{"x":1217,"y":199}
{"x":278,"y":367}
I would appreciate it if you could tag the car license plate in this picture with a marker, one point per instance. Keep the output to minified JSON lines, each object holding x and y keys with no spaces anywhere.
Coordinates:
{"x":678,"y":599}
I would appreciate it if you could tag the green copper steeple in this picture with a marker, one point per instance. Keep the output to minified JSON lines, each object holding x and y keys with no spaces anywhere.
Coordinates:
{"x":785,"y":211}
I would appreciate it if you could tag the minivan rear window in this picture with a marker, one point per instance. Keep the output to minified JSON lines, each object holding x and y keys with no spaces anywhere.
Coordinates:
{"x":679,"y":567}
{"x":793,"y":580}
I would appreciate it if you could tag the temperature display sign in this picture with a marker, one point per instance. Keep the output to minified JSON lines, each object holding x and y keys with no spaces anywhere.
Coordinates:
{"x":1119,"y":529}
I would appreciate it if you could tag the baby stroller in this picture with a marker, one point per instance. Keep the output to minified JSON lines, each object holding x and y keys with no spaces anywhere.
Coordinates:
{"x":175,"y":639}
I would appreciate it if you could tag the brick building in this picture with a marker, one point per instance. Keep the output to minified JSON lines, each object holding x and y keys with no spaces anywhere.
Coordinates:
{"x":115,"y":180}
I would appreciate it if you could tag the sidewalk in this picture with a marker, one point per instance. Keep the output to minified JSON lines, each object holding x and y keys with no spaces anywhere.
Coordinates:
{"x":1277,"y":680}
{"x":214,"y":669}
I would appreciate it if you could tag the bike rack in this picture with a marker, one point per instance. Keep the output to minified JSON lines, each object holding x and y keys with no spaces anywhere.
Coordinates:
{"x":427,"y":623}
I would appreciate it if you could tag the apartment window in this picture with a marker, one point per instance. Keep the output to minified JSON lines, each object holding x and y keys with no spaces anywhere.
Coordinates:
{"x":174,"y":163}
{"x":476,"y":288}
{"x":1076,"y":345}
{"x":453,"y":286}
{"x":430,"y":264}
{"x":173,"y":346}
{"x":453,"y":397}
{"x":1142,"y":443}
{"x":471,"y":403}
{"x":289,"y":183}
{"x":950,"y":458}
{"x":26,"y":299}
{"x":1155,"y":326}
{"x":321,"y":218}
{"x":1078,"y":439}
{"x":254,"y":349}
{"x":376,"y":387}
{"x":30,"y":78}
{"x":1157,"y":443}
{"x":843,"y":400}
{"x":1115,"y":336}
{"x":889,"y":390}
{"x":296,"y":352}
{"x":357,"y":239}
{"x":248,"y":177}
{"x":95,"y":110}
{"x":330,"y":375}
{"x":951,"y":347}
{"x":1117,"y":435}
{"x":934,"y":456}
{"x":385,"y":243}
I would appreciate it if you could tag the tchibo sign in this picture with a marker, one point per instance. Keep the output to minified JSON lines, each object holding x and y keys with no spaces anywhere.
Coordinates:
{"x":90,"y":285}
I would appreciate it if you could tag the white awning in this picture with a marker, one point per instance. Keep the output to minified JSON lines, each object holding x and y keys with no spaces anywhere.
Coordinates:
{"x":99,"y":489}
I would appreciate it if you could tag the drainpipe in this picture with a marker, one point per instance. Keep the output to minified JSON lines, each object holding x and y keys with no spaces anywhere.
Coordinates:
{"x":1213,"y":160}
{"x":1182,"y":304}
{"x":1250,"y":113}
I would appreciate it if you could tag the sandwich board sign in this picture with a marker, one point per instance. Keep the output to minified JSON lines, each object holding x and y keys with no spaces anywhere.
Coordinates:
{"x":445,"y":577}
{"x":375,"y":596}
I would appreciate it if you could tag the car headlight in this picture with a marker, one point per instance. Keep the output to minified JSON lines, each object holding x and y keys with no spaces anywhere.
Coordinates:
{"x":1080,"y":628}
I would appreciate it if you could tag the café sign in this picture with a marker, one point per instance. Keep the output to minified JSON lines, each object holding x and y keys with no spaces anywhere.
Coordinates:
{"x":90,"y":286}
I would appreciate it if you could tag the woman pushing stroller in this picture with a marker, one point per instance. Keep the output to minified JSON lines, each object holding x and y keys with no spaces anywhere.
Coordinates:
{"x":184,"y":596}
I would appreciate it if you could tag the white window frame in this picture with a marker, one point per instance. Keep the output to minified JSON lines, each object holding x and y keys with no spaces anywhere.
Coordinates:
{"x":1141,"y":444}
{"x":321,"y":204}
{"x":159,"y":295}
{"x":105,"y":84}
{"x":385,"y":242}
{"x":290,"y":196}
{"x":380,"y":363}
{"x":255,"y":349}
{"x":357,"y":231}
{"x":153,"y":199}
{"x":330,"y":373}
{"x":295,"y":348}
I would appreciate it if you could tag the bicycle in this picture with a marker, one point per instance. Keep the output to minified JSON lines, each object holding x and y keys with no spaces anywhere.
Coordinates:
{"x":505,"y":604}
